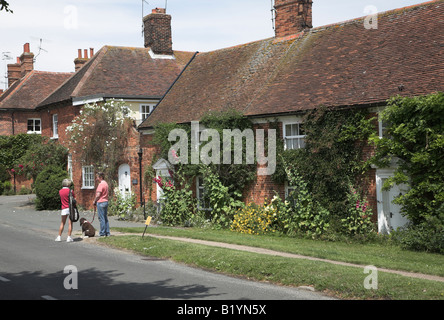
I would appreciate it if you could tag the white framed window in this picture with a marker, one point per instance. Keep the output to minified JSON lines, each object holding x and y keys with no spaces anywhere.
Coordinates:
{"x":55,"y":126}
{"x":70,"y":166}
{"x":35,"y":126}
{"x":88,"y":177}
{"x":145,"y":110}
{"x":294,"y":136}
{"x":203,"y":202}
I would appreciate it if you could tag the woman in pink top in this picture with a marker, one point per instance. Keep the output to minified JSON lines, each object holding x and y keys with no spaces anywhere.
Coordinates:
{"x":101,"y":201}
{"x":64,"y":198}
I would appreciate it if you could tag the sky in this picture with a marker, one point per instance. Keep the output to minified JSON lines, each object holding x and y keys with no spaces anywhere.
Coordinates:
{"x":60,"y":28}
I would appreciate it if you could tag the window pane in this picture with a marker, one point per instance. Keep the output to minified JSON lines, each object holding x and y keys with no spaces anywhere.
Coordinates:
{"x":301,"y":143}
{"x":289,"y":130}
{"x":301,"y":130}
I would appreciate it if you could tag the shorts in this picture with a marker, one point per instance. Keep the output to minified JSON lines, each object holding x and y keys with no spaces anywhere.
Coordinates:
{"x":65,"y":212}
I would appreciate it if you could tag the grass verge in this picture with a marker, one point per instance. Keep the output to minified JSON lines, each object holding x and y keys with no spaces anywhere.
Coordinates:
{"x":340,"y":281}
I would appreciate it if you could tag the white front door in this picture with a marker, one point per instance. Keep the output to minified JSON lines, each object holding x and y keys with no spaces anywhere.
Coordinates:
{"x":124,"y":180}
{"x":389,"y":214}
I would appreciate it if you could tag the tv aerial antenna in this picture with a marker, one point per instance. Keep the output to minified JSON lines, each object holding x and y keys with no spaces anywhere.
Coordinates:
{"x":273,"y":15}
{"x":40,"y":48}
{"x":6,"y":56}
{"x":143,"y":13}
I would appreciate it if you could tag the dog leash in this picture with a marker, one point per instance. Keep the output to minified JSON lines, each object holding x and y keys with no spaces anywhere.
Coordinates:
{"x":94,"y":216}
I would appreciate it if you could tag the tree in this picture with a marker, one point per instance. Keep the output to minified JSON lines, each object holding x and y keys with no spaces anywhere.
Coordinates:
{"x":100,"y":134}
{"x":415,"y":141}
{"x":4,"y":5}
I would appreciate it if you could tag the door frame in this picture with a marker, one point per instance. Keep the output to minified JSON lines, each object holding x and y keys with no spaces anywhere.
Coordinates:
{"x":384,"y":221}
{"x":127,"y":168}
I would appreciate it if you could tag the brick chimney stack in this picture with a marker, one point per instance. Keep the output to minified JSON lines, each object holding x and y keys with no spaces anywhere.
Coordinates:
{"x":157,"y":32}
{"x":292,"y":16}
{"x":14,"y":72}
{"x":81,"y":60}
{"x":26,"y":61}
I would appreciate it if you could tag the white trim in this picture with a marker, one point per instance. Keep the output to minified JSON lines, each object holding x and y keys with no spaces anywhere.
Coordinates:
{"x":161,"y":56}
{"x":89,"y":101}
{"x":385,"y":222}
{"x":151,"y":109}
{"x":70,"y":165}
{"x":299,"y":138}
{"x":87,"y":187}
{"x":55,"y":126}
{"x":34,"y":131}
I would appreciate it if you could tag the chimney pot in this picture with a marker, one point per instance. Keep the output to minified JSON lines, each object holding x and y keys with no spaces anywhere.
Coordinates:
{"x":26,"y":60}
{"x":80,"y":61}
{"x":91,"y":52}
{"x":159,"y":10}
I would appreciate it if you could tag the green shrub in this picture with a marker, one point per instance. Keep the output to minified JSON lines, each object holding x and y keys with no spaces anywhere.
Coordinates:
{"x":415,"y":140}
{"x":47,"y":186}
{"x":24,"y":191}
{"x":122,"y":206}
{"x":6,"y":188}
{"x":177,"y":204}
{"x":4,"y":175}
{"x":357,"y":222}
{"x":427,"y":236}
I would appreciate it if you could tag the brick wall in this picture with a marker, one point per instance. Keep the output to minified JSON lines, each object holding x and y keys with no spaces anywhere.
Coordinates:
{"x":16,"y":122}
{"x":263,"y":188}
{"x":292,"y":16}
{"x":5,"y":123}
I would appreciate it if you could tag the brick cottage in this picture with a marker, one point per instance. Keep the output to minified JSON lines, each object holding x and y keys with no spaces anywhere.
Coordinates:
{"x":343,"y":65}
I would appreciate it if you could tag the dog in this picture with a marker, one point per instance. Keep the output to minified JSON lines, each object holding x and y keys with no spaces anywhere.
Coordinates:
{"x":87,"y":228}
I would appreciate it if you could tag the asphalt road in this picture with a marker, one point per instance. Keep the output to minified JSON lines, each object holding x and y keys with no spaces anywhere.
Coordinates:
{"x":35,"y":267}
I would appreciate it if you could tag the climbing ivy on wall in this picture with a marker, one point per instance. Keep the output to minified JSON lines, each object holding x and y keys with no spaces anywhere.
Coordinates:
{"x":333,"y":155}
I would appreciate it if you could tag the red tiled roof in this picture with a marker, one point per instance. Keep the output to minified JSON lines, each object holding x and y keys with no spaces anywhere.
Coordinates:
{"x":28,"y":92}
{"x":121,"y":71}
{"x":337,"y":65}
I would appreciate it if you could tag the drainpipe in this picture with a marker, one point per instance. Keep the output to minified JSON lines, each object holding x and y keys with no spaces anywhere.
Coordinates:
{"x":12,"y":120}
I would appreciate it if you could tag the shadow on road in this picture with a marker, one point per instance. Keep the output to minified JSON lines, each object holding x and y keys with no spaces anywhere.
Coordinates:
{"x":94,"y":284}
